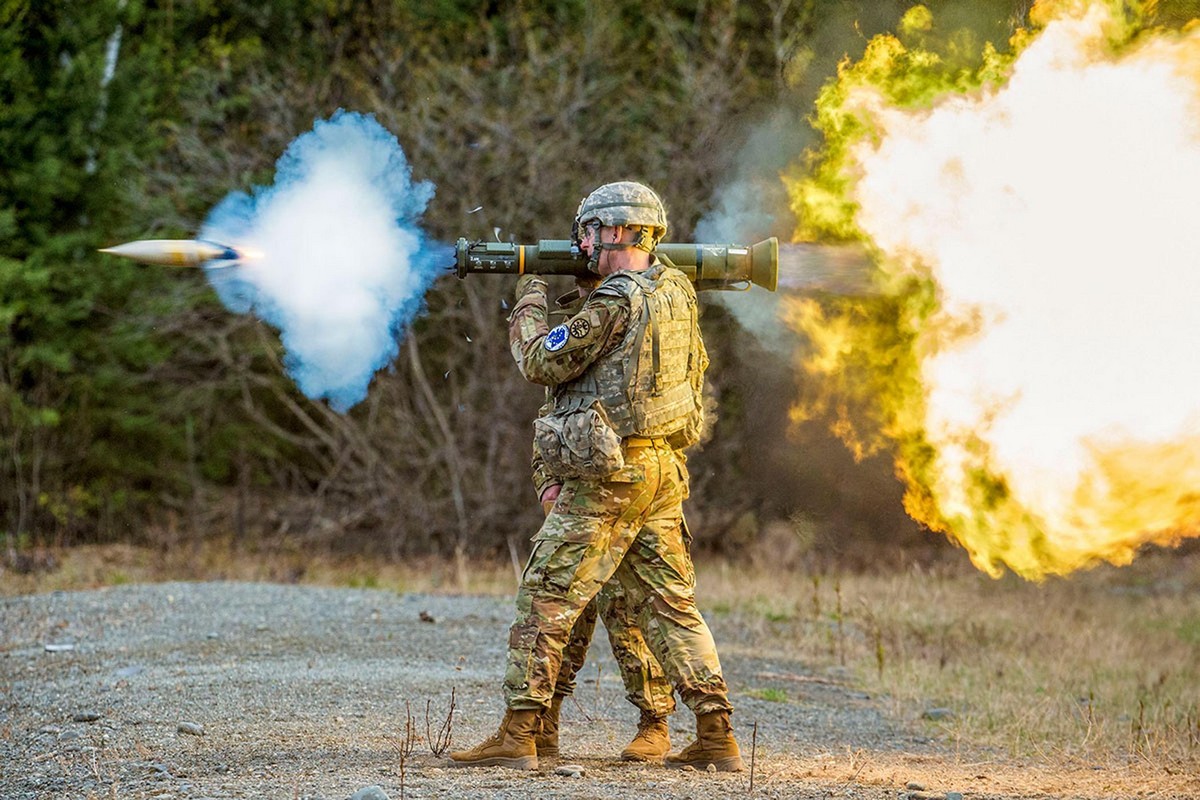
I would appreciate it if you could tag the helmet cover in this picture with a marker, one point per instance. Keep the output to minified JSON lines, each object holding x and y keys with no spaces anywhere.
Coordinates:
{"x":627,"y":203}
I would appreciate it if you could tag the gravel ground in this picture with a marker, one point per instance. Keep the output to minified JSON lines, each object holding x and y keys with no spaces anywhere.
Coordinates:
{"x":238,"y":690}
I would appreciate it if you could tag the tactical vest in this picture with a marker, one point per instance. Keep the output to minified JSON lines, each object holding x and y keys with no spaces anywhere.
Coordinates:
{"x":651,"y":383}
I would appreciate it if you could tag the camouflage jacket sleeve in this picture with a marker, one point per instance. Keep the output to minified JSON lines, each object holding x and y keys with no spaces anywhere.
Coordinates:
{"x":550,"y":356}
{"x":566,"y":306}
{"x":542,"y":478}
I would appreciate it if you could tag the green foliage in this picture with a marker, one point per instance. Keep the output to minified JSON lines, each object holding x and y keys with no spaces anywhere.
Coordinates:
{"x":130,"y":399}
{"x":60,"y":145}
{"x":90,"y":438}
{"x":771,"y":694}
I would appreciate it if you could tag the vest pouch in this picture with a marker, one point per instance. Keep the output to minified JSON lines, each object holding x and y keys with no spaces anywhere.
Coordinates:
{"x":691,"y":433}
{"x":578,"y":444}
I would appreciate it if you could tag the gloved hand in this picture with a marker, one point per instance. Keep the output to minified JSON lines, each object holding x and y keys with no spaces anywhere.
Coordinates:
{"x":528,"y":284}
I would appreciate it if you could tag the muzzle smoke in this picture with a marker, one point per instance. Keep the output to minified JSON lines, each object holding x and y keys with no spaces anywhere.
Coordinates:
{"x":341,"y":264}
{"x":1055,"y":210}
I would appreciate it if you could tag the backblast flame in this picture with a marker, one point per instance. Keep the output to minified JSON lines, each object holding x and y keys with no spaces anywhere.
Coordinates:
{"x":1037,"y":352}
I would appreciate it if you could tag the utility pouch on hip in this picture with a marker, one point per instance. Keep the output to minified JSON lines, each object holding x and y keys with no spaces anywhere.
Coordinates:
{"x":578,"y":444}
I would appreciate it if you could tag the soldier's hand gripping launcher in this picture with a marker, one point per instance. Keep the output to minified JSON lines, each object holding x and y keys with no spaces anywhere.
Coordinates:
{"x":710,"y":266}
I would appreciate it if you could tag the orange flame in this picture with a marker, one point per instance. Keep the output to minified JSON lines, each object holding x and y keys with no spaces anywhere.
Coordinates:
{"x":1034,"y":357}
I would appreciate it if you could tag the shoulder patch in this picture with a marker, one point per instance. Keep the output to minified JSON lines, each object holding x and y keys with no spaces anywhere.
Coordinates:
{"x":580,"y":328}
{"x":556,"y":339}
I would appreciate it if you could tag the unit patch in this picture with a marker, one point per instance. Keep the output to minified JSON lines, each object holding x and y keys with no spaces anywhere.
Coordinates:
{"x":580,"y":328}
{"x":556,"y":339}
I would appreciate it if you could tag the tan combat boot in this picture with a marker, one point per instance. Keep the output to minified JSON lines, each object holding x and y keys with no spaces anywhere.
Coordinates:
{"x":652,"y":743}
{"x":714,"y":745}
{"x":546,"y":742}
{"x":511,"y":746}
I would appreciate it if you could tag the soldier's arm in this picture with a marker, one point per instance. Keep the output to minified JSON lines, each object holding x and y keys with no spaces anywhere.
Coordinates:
{"x":551,"y":356}
{"x":542,"y":479}
{"x":545,"y":484}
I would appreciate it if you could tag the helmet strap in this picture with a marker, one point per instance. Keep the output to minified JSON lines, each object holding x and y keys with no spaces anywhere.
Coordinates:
{"x":601,"y":247}
{"x":578,"y":232}
{"x":646,"y":240}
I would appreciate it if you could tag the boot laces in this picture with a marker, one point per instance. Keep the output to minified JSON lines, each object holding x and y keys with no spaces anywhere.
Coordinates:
{"x":648,"y":722}
{"x":498,"y":736}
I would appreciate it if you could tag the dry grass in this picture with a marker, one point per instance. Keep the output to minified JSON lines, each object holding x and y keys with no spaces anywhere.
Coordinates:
{"x":93,"y":566}
{"x":1076,"y":677}
{"x":1099,"y":671}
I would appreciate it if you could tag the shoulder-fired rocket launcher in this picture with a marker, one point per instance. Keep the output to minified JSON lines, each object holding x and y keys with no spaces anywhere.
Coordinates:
{"x":710,"y":266}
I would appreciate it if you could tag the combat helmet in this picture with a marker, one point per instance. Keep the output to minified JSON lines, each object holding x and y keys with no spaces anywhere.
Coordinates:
{"x":623,"y":203}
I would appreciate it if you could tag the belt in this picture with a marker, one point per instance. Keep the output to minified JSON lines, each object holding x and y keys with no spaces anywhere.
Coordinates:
{"x":643,"y":441}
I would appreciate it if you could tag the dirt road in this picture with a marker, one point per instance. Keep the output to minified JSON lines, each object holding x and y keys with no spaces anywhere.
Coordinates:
{"x":239,"y":690}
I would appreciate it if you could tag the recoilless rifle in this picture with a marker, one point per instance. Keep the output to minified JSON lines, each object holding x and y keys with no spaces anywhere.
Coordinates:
{"x":710,"y":266}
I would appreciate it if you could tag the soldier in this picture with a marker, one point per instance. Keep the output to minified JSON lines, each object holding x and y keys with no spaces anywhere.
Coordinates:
{"x":627,"y":372}
{"x":646,"y":685}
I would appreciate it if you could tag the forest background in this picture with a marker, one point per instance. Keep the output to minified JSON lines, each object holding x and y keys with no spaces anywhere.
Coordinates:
{"x":135,"y":408}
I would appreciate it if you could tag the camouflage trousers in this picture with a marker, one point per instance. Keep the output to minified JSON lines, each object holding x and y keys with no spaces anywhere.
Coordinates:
{"x":628,"y":527}
{"x":646,"y":685}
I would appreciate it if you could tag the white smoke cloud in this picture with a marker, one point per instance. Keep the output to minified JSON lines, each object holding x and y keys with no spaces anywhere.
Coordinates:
{"x":341,"y":265}
{"x":1062,"y":208}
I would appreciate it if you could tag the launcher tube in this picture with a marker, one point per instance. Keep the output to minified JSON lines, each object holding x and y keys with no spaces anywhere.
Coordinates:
{"x":710,"y":266}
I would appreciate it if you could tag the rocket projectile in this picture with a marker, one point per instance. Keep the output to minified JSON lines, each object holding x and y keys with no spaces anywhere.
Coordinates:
{"x":176,"y":252}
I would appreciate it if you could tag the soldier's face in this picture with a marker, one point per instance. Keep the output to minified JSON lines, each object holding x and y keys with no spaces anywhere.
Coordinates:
{"x":589,"y":238}
{"x":587,"y":241}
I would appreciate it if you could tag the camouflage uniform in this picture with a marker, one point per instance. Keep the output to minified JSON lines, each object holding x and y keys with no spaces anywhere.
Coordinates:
{"x":646,"y":685}
{"x":628,"y":526}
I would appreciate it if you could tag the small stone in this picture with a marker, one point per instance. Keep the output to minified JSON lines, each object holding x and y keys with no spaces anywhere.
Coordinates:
{"x":937,"y":714}
{"x":86,"y":716}
{"x":711,"y":768}
{"x":59,"y":648}
{"x":425,"y":616}
{"x":569,"y":770}
{"x":914,"y":786}
{"x":370,"y":793}
{"x":191,"y":729}
{"x":953,"y":795}
{"x":213,"y":635}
